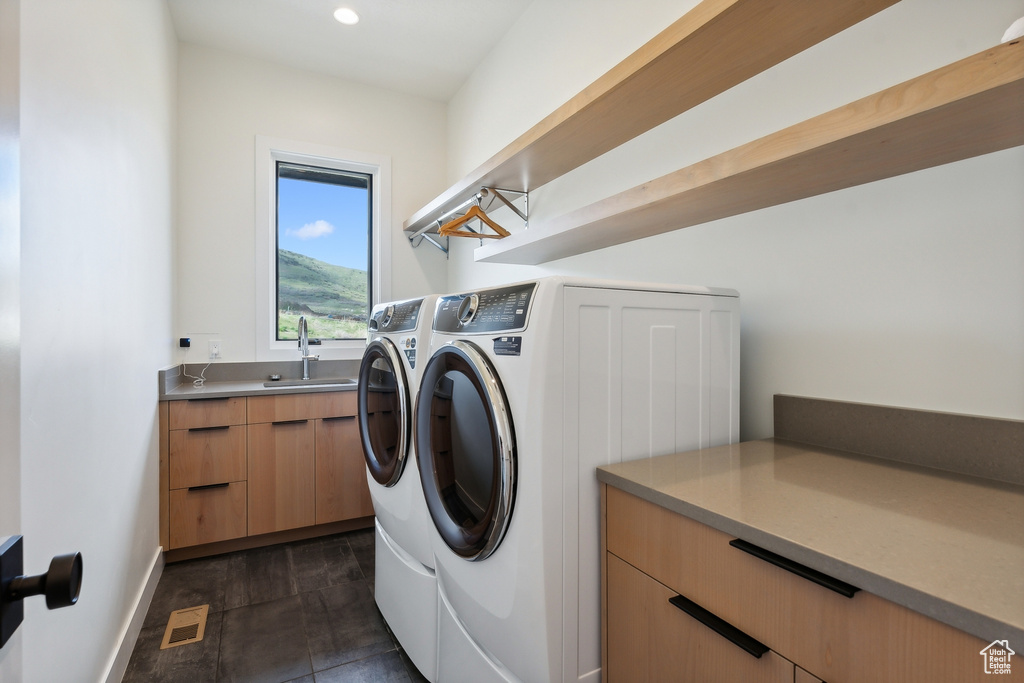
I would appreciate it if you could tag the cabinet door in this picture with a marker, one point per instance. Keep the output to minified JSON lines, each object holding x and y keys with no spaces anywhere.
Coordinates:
{"x":341,"y":490}
{"x":649,"y":639}
{"x":281,"y":476}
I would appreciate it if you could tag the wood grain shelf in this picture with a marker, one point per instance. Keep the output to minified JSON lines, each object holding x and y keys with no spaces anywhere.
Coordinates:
{"x":972,"y":107}
{"x":715,"y":46}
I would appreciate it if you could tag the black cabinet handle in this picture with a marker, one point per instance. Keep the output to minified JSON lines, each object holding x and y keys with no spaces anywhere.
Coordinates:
{"x":211,"y":398}
{"x":209,"y":486}
{"x":720,"y":626}
{"x":831,"y":583}
{"x":208,"y":429}
{"x":289,"y":422}
{"x":339,"y":417}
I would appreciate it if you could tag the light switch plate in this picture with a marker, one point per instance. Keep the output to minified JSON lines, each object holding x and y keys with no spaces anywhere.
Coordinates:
{"x":12,"y":563}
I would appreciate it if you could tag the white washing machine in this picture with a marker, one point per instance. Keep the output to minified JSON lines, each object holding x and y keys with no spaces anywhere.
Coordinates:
{"x":405,"y":587}
{"x":529,"y":388}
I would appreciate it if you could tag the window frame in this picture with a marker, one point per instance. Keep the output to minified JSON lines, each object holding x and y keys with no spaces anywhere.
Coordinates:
{"x":268,"y":152}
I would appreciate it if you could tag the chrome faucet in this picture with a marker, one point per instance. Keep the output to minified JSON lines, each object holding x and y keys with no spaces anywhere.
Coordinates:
{"x":304,"y":347}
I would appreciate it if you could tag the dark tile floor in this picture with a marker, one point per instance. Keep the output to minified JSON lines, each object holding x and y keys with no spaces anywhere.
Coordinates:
{"x":301,"y":611}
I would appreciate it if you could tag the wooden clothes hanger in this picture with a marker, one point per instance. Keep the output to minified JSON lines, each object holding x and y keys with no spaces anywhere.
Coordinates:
{"x":451,"y":228}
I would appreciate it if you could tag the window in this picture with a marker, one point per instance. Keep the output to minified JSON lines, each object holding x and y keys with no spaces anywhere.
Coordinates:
{"x":320,"y":246}
{"x":323,"y":251}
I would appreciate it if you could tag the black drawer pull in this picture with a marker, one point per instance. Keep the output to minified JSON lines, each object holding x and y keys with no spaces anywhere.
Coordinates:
{"x":723,"y":628}
{"x":212,"y":398}
{"x":289,"y":422}
{"x":824,"y":580}
{"x":209,"y":486}
{"x":339,"y":417}
{"x":208,"y":429}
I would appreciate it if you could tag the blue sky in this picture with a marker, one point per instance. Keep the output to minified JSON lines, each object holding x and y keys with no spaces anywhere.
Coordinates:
{"x":326,"y":222}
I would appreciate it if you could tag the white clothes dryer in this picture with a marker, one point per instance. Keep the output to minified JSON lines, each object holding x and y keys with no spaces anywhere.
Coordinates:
{"x":529,"y":388}
{"x":405,"y":586}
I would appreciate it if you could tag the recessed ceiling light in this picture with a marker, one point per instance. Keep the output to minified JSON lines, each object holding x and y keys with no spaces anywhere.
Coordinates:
{"x":346,"y":16}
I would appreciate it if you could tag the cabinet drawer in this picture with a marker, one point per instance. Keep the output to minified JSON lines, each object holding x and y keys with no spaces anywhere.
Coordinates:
{"x":301,"y":406}
{"x":207,"y":515}
{"x":652,"y":640}
{"x":207,"y":412}
{"x":864,"y":638}
{"x":207,"y":456}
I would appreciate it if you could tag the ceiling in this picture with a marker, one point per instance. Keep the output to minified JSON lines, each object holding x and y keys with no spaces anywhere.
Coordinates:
{"x":421,"y":47}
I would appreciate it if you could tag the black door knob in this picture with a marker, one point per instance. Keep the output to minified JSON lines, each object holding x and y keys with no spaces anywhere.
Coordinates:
{"x":61,"y":584}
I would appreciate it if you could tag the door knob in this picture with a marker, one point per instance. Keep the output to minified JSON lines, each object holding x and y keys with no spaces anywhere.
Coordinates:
{"x":61,"y":584}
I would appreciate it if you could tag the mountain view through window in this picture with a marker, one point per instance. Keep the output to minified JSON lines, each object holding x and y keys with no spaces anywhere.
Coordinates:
{"x":323,"y":251}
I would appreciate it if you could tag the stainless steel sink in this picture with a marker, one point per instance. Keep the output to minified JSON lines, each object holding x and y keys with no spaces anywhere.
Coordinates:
{"x":325,"y":381}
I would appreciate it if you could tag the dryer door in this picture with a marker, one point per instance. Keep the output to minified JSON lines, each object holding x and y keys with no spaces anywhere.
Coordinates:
{"x":465,"y":447}
{"x":385,"y":416}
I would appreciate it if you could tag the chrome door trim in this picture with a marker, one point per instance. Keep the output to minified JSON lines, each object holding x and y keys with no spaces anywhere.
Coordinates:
{"x":506,"y":448}
{"x":387,"y":349}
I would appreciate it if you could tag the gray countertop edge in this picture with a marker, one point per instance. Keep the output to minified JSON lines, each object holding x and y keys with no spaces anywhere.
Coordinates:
{"x":231,"y":389}
{"x":957,"y":616}
{"x":226,"y":379}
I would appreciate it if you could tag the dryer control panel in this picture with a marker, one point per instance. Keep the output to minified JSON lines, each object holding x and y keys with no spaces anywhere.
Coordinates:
{"x":400,"y":316}
{"x":504,"y":309}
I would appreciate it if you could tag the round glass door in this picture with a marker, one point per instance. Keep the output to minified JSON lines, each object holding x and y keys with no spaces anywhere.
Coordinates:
{"x":466,"y":450}
{"x":384,"y":414}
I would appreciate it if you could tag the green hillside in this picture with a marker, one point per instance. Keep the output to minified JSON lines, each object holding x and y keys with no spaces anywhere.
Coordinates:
{"x":311,"y":287}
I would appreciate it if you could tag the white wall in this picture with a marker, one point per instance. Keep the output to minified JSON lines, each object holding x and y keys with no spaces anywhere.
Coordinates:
{"x":97,"y":151}
{"x":904,"y":292}
{"x":225,"y":100}
{"x":10,"y":301}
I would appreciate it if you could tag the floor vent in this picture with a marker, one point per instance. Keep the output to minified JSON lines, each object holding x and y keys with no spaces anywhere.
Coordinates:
{"x":185,"y":626}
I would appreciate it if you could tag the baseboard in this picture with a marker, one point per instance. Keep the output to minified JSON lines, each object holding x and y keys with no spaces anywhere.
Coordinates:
{"x":120,"y":658}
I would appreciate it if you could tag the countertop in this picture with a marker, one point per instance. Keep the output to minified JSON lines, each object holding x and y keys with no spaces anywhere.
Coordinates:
{"x":947,"y":545}
{"x":246,"y":388}
{"x":247,"y":379}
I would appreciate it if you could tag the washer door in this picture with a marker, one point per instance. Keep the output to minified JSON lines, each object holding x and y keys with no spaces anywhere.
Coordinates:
{"x":465,"y":445}
{"x":385,"y":417}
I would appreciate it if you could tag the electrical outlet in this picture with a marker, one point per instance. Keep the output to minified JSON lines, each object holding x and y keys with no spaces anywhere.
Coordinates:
{"x":214,"y":350}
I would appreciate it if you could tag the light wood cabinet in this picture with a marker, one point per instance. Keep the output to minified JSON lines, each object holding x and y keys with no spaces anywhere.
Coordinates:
{"x":341,"y":487}
{"x":282,"y":475}
{"x":804,"y":677}
{"x":207,"y":514}
{"x":209,"y":455}
{"x":203,"y":481}
{"x":250,"y":466}
{"x":652,"y":640}
{"x":828,"y":636}
{"x":207,"y":412}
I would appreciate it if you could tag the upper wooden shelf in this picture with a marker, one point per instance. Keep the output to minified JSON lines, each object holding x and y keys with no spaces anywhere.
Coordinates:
{"x":716,"y":45}
{"x":971,"y":107}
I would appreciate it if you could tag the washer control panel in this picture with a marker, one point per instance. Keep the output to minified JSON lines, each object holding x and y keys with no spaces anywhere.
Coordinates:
{"x":397,"y":317}
{"x":504,"y":309}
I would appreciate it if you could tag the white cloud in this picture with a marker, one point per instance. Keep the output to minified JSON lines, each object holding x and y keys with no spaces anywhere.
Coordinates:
{"x":311,"y":231}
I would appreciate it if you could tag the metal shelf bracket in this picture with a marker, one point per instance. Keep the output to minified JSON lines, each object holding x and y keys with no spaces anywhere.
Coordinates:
{"x":507,"y":197}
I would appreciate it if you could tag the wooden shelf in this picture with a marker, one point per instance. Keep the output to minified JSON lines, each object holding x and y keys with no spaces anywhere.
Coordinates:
{"x":716,"y":45}
{"x":969,"y":108}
